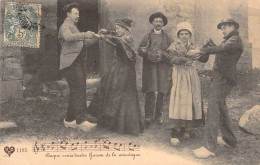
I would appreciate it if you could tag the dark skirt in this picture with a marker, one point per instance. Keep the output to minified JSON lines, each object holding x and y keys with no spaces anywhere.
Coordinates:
{"x":116,"y":103}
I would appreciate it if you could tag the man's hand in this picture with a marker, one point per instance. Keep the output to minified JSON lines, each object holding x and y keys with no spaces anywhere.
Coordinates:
{"x":89,"y":34}
{"x":159,"y":55}
{"x":144,"y":49}
{"x":193,"y":52}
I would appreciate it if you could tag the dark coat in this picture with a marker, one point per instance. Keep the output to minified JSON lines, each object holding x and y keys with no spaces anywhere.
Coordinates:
{"x":116,"y":104}
{"x":227,"y":56}
{"x":155,"y":76}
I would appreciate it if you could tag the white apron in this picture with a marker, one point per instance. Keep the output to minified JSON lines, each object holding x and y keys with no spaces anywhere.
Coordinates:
{"x":185,"y":94}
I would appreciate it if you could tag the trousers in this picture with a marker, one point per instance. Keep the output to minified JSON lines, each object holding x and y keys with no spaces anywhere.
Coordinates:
{"x":151,"y":104}
{"x":76,"y":78}
{"x":218,"y":115}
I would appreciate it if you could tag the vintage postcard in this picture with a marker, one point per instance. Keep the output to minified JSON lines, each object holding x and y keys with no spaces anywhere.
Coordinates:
{"x":153,"y":82}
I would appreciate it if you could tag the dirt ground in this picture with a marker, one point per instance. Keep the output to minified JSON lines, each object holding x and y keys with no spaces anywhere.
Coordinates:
{"x":39,"y":118}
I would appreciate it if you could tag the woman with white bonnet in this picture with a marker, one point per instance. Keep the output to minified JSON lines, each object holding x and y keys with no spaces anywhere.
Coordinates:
{"x":185,"y":108}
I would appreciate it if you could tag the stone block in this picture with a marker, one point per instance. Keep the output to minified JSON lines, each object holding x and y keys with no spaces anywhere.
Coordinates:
{"x":12,"y":69}
{"x":11,"y":89}
{"x":250,"y":120}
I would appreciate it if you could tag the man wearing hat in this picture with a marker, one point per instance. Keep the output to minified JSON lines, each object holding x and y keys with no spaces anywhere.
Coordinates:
{"x":73,"y":66}
{"x":156,"y":72}
{"x":224,"y":79}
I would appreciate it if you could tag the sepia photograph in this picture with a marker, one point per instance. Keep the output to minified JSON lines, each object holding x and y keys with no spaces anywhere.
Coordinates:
{"x":140,"y":82}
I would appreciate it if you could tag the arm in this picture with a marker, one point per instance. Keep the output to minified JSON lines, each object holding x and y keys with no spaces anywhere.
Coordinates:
{"x":233,"y":43}
{"x":173,"y":58}
{"x":171,"y":55}
{"x":143,"y":43}
{"x":69,"y":37}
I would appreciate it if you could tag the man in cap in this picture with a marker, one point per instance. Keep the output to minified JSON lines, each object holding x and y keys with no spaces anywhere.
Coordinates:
{"x":73,"y":66}
{"x":224,"y":79}
{"x":156,"y":71}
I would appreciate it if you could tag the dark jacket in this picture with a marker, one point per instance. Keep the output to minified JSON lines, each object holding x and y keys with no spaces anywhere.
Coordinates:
{"x":227,"y":56}
{"x":156,"y":76}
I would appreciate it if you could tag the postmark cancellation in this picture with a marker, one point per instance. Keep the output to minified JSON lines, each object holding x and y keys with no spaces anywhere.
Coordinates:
{"x":22,"y":24}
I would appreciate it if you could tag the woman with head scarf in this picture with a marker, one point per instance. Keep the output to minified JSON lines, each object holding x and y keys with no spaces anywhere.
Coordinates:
{"x":116,"y":103}
{"x":185,"y":108}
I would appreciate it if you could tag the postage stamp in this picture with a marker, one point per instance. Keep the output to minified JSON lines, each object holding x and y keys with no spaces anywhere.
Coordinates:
{"x":22,"y":24}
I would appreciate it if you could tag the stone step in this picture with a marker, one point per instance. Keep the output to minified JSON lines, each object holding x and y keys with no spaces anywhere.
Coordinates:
{"x":6,"y":125}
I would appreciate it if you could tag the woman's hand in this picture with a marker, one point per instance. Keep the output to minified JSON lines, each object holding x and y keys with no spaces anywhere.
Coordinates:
{"x":196,"y":57}
{"x":103,"y":31}
{"x":89,"y":34}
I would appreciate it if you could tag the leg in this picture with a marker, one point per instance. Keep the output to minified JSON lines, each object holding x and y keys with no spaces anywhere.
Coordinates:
{"x":213,"y":114}
{"x":159,"y":108}
{"x":225,"y":123}
{"x":77,"y":95}
{"x":149,"y":105}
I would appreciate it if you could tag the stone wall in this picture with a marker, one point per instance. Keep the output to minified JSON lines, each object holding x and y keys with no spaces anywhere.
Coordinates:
{"x":20,"y":65}
{"x":10,"y":69}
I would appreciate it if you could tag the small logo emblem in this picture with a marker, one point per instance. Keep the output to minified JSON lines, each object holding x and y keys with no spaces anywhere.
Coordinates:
{"x":9,"y":150}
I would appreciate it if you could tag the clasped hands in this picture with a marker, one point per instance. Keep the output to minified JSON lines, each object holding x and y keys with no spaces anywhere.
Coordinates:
{"x":101,"y":34}
{"x":197,"y":53}
{"x":194,"y":54}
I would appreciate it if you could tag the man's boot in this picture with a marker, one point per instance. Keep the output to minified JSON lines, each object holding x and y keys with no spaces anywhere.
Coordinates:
{"x":149,"y":107}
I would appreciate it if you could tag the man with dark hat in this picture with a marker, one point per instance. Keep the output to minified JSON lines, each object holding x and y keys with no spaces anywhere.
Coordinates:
{"x":156,"y":71}
{"x":73,"y":66}
{"x":224,"y":79}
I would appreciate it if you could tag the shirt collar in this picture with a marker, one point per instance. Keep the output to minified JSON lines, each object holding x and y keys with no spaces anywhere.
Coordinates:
{"x":180,"y":42}
{"x":234,"y":33}
{"x":68,"y":20}
{"x":157,"y":31}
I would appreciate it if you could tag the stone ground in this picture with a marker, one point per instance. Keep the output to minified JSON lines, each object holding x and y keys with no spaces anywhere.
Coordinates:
{"x":43,"y":118}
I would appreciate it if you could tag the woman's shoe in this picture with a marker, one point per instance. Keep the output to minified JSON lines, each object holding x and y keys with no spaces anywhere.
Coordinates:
{"x":175,"y":142}
{"x":203,"y":153}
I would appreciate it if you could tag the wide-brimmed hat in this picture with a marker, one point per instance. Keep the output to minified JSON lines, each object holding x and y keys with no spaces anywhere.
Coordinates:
{"x":158,"y":15}
{"x":68,"y":7}
{"x":184,"y":26}
{"x":229,"y":20}
{"x":125,"y":22}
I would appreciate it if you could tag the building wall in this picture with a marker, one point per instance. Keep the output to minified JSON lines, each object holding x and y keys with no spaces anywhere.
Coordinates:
{"x":10,"y":69}
{"x":253,"y":30}
{"x":204,"y":15}
{"x":16,"y":62}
